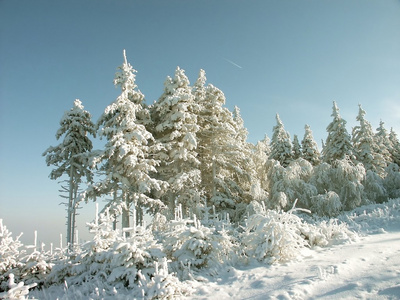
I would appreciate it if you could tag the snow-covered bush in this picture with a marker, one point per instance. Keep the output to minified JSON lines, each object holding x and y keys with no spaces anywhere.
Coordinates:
{"x":9,"y":253}
{"x":327,"y":204}
{"x":273,"y":236}
{"x":36,"y":265}
{"x":342,"y":177}
{"x":115,"y":261}
{"x":26,"y":263}
{"x":277,"y":236}
{"x":374,"y":189}
{"x":16,"y":291}
{"x":193,"y":247}
{"x":290,"y":184}
{"x":322,"y":232}
{"x":347,"y":182}
{"x":392,"y":181}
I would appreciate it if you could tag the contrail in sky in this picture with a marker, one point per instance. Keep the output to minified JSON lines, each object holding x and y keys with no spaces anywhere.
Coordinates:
{"x":233,"y":63}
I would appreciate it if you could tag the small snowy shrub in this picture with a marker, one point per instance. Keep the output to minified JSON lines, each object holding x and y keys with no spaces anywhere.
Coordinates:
{"x":163,"y":285}
{"x":113,"y":262}
{"x":16,"y":291}
{"x":323,"y":233}
{"x":9,"y":254}
{"x":194,"y":247}
{"x":36,"y":266}
{"x":273,"y":236}
{"x":327,"y":204}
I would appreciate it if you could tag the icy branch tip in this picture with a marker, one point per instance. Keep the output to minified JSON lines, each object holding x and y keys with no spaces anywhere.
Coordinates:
{"x":125,"y":60}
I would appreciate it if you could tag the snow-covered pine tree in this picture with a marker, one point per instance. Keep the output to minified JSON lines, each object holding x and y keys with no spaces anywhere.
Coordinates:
{"x":260,"y":155}
{"x":365,"y":147}
{"x":394,"y":147}
{"x":309,"y":149}
{"x":175,"y":119}
{"x":127,"y":160}
{"x":70,"y":157}
{"x":281,"y":146}
{"x":338,"y":143}
{"x":220,"y":154}
{"x":296,"y":147}
{"x":247,"y":175}
{"x":383,"y":141}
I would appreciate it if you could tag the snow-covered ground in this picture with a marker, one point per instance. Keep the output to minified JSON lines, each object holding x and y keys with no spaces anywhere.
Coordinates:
{"x":367,"y":268}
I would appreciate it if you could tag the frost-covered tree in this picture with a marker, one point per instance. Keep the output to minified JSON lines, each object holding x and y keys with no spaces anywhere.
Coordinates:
{"x":175,"y":119}
{"x":126,"y":160}
{"x":244,"y":158}
{"x":384,"y":145}
{"x":281,"y":146}
{"x":260,"y":155}
{"x":365,"y":146}
{"x":394,"y":147}
{"x":342,"y":177}
{"x":392,"y":181}
{"x":296,"y":147}
{"x":220,"y":154}
{"x":338,"y":143}
{"x":70,"y":157}
{"x":309,"y":149}
{"x":290,"y":184}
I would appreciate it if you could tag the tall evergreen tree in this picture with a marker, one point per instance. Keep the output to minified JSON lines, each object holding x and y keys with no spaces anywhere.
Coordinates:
{"x":244,"y":156}
{"x":364,"y":144}
{"x":219,"y":154}
{"x":394,"y":147}
{"x":70,"y":157}
{"x":310,"y":150}
{"x":382,"y":139}
{"x":296,"y":147}
{"x":281,"y":146}
{"x":175,"y":118}
{"x":127,"y":160}
{"x":338,"y":143}
{"x":260,"y":156}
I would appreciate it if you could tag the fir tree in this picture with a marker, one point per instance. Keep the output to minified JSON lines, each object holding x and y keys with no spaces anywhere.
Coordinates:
{"x":260,"y":156}
{"x":127,"y":160}
{"x":364,"y":144}
{"x":220,"y":154}
{"x":394,"y":147}
{"x":281,"y":146}
{"x":296,"y":147}
{"x":384,"y":145}
{"x":70,"y":157}
{"x":310,"y":150}
{"x":338,"y":143}
{"x":174,"y":115}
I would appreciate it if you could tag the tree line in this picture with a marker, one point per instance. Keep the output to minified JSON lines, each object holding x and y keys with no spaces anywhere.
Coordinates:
{"x":187,"y":153}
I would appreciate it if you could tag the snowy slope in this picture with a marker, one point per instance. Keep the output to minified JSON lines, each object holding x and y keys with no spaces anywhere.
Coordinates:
{"x":366,"y":269}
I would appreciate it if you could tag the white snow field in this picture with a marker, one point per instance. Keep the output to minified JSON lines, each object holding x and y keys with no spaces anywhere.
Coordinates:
{"x":367,"y":268}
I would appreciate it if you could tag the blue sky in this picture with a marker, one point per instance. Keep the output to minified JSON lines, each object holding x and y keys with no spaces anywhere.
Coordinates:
{"x":288,"y":57}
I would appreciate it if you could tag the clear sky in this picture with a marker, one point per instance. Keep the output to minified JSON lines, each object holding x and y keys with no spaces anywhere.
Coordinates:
{"x":288,"y":57}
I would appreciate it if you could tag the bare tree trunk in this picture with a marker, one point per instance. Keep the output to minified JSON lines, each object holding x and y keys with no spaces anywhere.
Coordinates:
{"x":125,"y":212}
{"x":115,"y":215}
{"x":171,"y":205}
{"x":70,"y":205}
{"x":73,"y":218}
